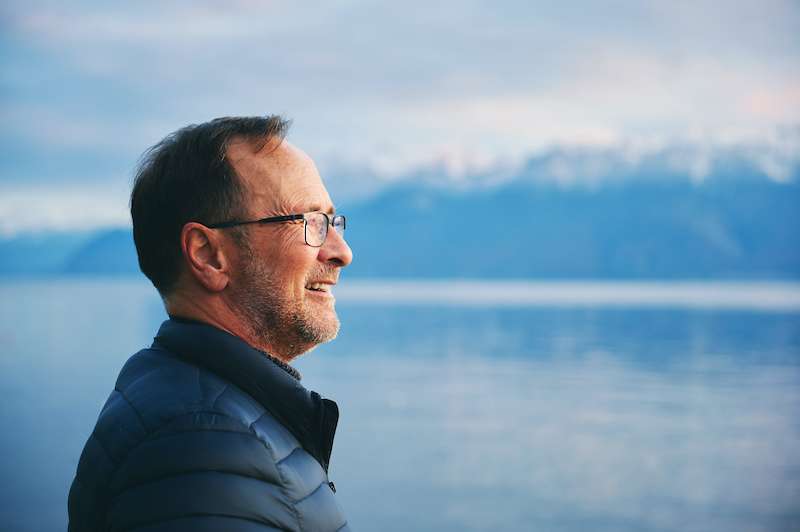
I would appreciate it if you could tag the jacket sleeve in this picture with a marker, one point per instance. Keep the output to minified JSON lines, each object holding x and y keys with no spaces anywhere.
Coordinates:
{"x":202,"y":472}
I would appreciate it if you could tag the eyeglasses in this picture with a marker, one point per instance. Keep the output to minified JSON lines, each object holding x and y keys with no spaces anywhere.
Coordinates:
{"x":315,"y":225}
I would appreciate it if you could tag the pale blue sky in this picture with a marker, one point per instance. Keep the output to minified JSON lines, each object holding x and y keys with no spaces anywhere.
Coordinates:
{"x":87,"y":86}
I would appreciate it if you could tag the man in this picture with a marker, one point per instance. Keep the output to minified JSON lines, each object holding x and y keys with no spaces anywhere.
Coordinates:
{"x":210,"y":428}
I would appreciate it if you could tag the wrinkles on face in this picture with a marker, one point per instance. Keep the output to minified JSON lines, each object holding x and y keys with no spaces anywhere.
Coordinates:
{"x":270,"y":285}
{"x":275,"y":308}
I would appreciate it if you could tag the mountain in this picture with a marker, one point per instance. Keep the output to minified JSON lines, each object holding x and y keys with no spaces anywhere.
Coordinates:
{"x":110,"y":252}
{"x":563,"y":214}
{"x":41,"y":253}
{"x":637,"y":230}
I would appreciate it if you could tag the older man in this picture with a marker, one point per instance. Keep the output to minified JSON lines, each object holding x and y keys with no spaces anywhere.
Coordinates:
{"x":210,"y":428}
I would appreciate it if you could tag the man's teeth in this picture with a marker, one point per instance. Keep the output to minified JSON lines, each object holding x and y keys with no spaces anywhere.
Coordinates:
{"x":319,"y":286}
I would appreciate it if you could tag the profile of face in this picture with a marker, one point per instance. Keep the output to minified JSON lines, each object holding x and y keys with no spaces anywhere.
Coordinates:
{"x":282,"y":287}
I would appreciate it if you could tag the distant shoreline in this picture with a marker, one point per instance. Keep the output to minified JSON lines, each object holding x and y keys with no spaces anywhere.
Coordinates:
{"x":745,"y":295}
{"x":764,"y":295}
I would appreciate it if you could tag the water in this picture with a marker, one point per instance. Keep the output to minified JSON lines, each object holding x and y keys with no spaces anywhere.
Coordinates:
{"x":462,"y":413}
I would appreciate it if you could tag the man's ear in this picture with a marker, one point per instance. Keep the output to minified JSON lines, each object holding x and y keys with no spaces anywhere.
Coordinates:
{"x":205,"y":256}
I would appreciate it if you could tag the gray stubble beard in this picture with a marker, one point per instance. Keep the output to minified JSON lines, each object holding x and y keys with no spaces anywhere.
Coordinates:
{"x":274,"y":320}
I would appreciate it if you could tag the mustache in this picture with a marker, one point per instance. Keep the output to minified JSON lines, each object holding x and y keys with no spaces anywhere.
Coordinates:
{"x":328,"y":273}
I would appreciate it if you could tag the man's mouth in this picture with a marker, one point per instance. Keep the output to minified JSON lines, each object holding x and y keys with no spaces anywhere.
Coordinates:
{"x":319,"y":287}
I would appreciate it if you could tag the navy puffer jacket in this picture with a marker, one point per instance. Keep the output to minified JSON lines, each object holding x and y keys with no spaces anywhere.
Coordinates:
{"x":201,"y":433}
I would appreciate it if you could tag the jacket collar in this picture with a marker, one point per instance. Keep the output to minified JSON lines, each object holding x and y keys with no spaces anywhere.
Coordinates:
{"x":309,"y":417}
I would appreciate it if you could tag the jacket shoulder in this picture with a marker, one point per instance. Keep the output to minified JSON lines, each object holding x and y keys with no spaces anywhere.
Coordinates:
{"x":162,"y":394}
{"x":175,"y":440}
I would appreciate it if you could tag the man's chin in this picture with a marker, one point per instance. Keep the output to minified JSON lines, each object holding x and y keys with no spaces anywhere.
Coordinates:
{"x":329,"y":331}
{"x":319,"y":328}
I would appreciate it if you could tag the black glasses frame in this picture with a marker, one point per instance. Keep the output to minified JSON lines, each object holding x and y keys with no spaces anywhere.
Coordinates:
{"x":331,"y":221}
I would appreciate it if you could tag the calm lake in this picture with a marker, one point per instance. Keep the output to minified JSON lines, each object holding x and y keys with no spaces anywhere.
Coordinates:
{"x":469,"y":406}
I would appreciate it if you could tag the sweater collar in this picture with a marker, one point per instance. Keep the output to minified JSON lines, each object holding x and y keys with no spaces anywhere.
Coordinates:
{"x":309,"y":417}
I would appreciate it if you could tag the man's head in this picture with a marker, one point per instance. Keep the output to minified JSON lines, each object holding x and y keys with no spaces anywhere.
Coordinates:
{"x":259,"y":281}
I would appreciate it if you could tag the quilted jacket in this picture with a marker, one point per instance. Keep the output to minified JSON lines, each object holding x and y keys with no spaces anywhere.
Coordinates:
{"x":202,"y":432}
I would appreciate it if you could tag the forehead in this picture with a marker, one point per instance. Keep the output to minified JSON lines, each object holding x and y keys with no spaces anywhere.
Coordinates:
{"x":278,"y":178}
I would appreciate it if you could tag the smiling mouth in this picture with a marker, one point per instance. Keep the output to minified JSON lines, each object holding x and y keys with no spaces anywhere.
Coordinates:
{"x":319,"y":287}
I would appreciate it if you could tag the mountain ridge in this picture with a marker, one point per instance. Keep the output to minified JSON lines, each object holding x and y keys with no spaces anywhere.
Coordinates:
{"x":655,"y":222}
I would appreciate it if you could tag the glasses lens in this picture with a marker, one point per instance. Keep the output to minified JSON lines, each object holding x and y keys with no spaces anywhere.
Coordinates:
{"x":339,"y":224}
{"x":316,"y":228}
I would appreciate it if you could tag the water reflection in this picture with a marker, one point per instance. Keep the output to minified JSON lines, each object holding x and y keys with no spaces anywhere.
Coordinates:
{"x":524,"y":419}
{"x":462,"y":418}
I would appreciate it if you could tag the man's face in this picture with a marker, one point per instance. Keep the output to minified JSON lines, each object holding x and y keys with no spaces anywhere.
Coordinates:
{"x":281,"y":286}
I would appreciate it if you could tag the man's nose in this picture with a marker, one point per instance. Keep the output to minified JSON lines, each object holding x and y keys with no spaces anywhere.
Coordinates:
{"x":335,"y":250}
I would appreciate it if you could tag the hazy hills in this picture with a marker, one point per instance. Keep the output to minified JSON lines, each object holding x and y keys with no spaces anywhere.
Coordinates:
{"x":636,"y":230}
{"x":546,"y":220}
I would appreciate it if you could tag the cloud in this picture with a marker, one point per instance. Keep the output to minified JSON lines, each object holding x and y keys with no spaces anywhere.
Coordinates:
{"x":74,"y":205}
{"x":72,"y":208}
{"x":392,"y":87}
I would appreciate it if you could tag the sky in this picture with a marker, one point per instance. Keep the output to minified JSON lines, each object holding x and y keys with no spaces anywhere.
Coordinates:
{"x":86,"y":87}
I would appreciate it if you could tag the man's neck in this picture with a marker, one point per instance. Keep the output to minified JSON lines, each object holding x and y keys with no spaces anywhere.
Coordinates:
{"x":217,"y":313}
{"x":182,"y":306}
